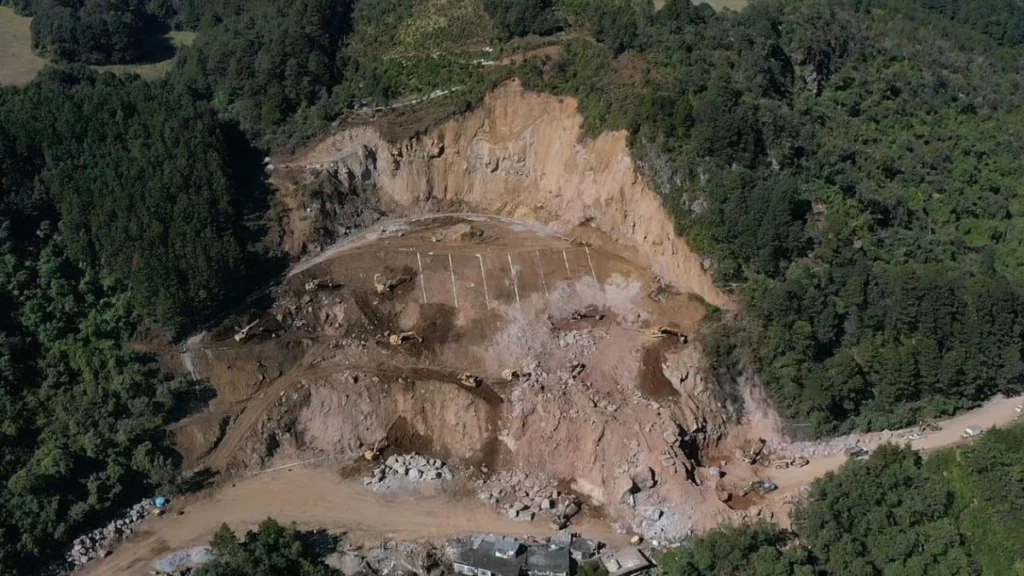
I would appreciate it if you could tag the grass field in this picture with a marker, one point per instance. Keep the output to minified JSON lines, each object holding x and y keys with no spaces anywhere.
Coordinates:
{"x":153,"y":70}
{"x":730,"y":4}
{"x":18,"y":63}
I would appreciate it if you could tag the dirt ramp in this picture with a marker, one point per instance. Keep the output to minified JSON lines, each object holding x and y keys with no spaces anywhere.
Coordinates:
{"x":522,"y":155}
{"x":348,"y":413}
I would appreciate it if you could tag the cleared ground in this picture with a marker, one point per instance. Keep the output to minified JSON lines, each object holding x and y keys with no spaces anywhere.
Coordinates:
{"x":18,"y":63}
{"x":319,"y":498}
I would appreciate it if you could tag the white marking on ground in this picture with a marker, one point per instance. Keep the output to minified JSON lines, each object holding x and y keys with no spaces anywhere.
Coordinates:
{"x":543,"y":282}
{"x":591,"y":263}
{"x":451,"y":268}
{"x":512,"y":270}
{"x":487,"y":298}
{"x":566,"y":260}
{"x":423,"y":286}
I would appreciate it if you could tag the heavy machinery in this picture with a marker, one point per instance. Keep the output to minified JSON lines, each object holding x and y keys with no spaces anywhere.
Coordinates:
{"x":509,"y":375}
{"x":797,"y":462}
{"x":318,"y":283}
{"x":751,"y":456}
{"x":760,"y":487}
{"x":587,"y":313}
{"x":247,"y":331}
{"x":856,"y":452}
{"x":384,"y":285}
{"x":399,"y":339}
{"x":373,"y":454}
{"x":668,"y":331}
{"x":470,"y":380}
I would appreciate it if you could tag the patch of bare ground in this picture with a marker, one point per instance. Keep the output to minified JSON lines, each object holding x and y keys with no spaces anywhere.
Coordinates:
{"x":19,"y":64}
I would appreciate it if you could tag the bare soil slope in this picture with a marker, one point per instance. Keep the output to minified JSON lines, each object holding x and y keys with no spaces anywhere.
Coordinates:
{"x":521,"y":155}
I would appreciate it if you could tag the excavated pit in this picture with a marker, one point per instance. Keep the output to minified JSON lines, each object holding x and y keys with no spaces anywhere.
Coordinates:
{"x":554,"y":259}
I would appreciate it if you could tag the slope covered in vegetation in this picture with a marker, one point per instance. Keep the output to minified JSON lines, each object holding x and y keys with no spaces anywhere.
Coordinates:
{"x":853,"y":168}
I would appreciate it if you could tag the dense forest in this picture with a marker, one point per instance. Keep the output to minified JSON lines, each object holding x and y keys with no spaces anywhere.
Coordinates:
{"x":850,"y":166}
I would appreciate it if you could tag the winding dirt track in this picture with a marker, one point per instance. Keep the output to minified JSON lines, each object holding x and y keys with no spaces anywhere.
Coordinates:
{"x":254,"y":410}
{"x":320,"y":497}
{"x":314,"y":498}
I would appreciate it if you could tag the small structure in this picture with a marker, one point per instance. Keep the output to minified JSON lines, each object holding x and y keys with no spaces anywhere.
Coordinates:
{"x":547,"y":561}
{"x":491,"y":555}
{"x":625,"y":561}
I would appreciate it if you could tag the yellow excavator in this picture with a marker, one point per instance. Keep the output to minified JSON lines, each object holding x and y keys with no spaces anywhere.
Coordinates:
{"x":668,"y":331}
{"x":399,"y":339}
{"x":384,"y":285}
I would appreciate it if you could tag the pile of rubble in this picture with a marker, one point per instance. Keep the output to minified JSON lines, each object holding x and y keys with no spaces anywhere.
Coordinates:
{"x":524,"y":497}
{"x":98,"y":543}
{"x":411,"y":467}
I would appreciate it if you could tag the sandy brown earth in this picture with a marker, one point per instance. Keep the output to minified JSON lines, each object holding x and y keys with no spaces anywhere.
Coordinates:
{"x":315,"y":497}
{"x":517,"y":245}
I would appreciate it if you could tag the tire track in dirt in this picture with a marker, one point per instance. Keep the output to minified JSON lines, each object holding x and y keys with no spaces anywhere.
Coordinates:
{"x":255,"y":408}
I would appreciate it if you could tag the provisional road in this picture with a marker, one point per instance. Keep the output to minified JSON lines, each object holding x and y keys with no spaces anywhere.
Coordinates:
{"x":315,"y":497}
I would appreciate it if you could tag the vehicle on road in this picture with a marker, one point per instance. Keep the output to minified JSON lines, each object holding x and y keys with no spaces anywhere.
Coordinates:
{"x":972,"y":431}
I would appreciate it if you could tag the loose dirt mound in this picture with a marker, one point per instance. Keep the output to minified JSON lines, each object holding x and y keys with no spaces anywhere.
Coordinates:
{"x":520,"y":155}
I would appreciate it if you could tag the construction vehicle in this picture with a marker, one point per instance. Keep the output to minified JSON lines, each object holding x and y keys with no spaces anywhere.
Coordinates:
{"x":318,"y":283}
{"x":760,"y":487}
{"x":666,"y":331}
{"x":384,"y":285}
{"x":930,"y":426}
{"x":373,"y":454}
{"x":587,"y":313}
{"x":470,"y":380}
{"x":972,"y":431}
{"x":751,"y":456}
{"x":244,"y":334}
{"x":399,"y":339}
{"x":796,"y":462}
{"x":856,"y":452}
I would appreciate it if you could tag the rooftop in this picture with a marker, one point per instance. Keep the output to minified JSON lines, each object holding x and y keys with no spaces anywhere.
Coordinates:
{"x":547,"y":559}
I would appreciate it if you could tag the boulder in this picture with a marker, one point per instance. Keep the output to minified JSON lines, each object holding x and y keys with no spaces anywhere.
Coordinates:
{"x":643,"y":478}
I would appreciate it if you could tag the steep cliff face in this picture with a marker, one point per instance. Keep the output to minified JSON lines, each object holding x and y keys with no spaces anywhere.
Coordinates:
{"x":520,"y":155}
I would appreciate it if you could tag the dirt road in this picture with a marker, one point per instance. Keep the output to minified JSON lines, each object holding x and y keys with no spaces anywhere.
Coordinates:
{"x":313,"y":498}
{"x":221,"y":456}
{"x":995,"y":413}
{"x":319,"y":497}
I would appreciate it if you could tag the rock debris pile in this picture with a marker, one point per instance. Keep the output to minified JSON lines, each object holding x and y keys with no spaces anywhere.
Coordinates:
{"x":99,"y":542}
{"x":523,"y":496}
{"x":409,"y":467}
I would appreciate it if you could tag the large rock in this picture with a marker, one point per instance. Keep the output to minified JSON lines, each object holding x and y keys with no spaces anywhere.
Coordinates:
{"x":643,"y":478}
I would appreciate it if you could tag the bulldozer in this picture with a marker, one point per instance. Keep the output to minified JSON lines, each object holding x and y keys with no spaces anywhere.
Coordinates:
{"x":666,"y":331}
{"x":384,"y":285}
{"x":751,"y":456}
{"x":246,"y":331}
{"x":318,"y":283}
{"x":797,"y":462}
{"x":399,"y":339}
{"x":585,"y":314}
{"x":470,"y":380}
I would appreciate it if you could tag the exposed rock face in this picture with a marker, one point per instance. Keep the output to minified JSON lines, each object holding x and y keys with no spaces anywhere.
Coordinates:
{"x":521,"y":155}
